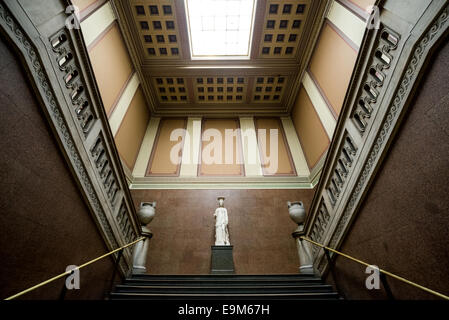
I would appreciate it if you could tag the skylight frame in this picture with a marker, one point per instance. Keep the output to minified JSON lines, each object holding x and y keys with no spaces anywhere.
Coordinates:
{"x":221,"y":57}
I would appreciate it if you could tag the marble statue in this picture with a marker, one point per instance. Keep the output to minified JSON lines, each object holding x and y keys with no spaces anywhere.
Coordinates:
{"x":221,"y":224}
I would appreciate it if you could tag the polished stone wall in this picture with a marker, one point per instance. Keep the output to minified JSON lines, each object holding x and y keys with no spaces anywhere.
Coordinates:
{"x":403,"y":225}
{"x":259,"y":226}
{"x":45,"y":224}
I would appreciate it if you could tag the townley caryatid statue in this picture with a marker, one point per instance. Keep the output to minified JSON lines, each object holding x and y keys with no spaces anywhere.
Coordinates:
{"x":221,"y":224}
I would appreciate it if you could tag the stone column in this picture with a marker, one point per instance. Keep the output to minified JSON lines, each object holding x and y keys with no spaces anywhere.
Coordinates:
{"x":146,"y":215}
{"x":298,"y":215}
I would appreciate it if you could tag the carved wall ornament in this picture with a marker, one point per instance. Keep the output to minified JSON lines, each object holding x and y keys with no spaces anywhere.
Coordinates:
{"x":73,"y":80}
{"x":374,"y":78}
{"x":342,"y":168}
{"x":105,"y":171}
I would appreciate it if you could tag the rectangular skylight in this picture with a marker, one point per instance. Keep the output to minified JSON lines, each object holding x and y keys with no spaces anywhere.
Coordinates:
{"x":220,"y":29}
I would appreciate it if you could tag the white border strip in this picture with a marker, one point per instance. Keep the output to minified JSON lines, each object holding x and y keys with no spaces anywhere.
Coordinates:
{"x":123,"y":104}
{"x":350,"y":24}
{"x":97,"y":22}
{"x":302,"y":169}
{"x":143,"y":158}
{"x":191,"y":150}
{"x":325,"y":115}
{"x":250,"y":147}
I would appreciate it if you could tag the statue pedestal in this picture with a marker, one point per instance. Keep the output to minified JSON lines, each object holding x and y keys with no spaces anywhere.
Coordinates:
{"x":222,"y":260}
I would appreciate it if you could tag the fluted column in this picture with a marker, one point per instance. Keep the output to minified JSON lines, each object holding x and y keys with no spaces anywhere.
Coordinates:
{"x":146,"y":215}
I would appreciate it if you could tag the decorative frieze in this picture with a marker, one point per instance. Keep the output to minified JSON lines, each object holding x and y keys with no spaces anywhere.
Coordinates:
{"x":106,"y":173}
{"x":73,"y":80}
{"x":320,"y":225}
{"x":342,"y":167}
{"x":122,"y":219}
{"x":374,"y":78}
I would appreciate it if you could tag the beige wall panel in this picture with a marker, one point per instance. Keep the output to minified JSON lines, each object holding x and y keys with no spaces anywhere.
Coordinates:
{"x":112,"y":66}
{"x":83,"y":4}
{"x":363,"y":4}
{"x":284,"y":161}
{"x":160,"y":162}
{"x":132,"y":130}
{"x":311,"y":133}
{"x":332,"y":64}
{"x":235,"y":167}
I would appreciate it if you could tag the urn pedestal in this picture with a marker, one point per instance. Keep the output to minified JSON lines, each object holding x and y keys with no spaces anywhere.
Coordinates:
{"x":222,"y":260}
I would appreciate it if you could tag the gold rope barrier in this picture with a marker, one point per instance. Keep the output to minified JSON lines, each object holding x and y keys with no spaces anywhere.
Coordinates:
{"x":380,"y":270}
{"x":70,"y":271}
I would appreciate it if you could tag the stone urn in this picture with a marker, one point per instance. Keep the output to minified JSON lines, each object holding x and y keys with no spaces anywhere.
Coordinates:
{"x":297,"y":213}
{"x":146,"y":213}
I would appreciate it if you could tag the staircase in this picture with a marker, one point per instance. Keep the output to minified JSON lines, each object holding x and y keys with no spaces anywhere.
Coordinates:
{"x":220,"y":287}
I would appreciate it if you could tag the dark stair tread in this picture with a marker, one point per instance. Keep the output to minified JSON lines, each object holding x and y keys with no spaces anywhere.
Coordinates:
{"x":226,"y":287}
{"x":222,"y":276}
{"x":223,"y":290}
{"x":296,"y":294}
{"x":227,"y":282}
{"x":240,"y":287}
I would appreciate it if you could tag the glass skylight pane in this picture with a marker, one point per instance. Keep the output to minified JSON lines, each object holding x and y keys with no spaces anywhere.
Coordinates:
{"x":220,"y":28}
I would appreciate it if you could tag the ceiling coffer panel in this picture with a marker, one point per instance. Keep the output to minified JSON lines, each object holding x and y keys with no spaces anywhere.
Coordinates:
{"x":282,"y":28}
{"x":157,"y":27}
{"x":220,"y":89}
{"x":171,"y":89}
{"x":268,"y":89}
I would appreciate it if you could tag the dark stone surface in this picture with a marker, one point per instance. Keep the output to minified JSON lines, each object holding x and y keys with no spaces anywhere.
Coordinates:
{"x":259,"y":227}
{"x":403,"y":224}
{"x":45,"y":225}
{"x":222,"y":260}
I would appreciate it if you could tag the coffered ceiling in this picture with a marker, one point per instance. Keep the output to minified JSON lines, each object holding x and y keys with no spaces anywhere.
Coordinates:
{"x":156,"y":32}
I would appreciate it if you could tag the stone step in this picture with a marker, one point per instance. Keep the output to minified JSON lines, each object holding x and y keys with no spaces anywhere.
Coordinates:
{"x":218,"y":282}
{"x":258,"y":289}
{"x":221,"y":276}
{"x":225,"y":296}
{"x":219,"y":287}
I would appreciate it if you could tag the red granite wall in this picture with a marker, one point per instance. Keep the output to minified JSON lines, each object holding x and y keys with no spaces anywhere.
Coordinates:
{"x":403,"y":225}
{"x":44,"y":223}
{"x":259,"y":226}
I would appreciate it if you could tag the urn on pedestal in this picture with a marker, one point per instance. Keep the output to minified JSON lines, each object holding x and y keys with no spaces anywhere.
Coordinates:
{"x":146,"y":214}
{"x":297,"y":213}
